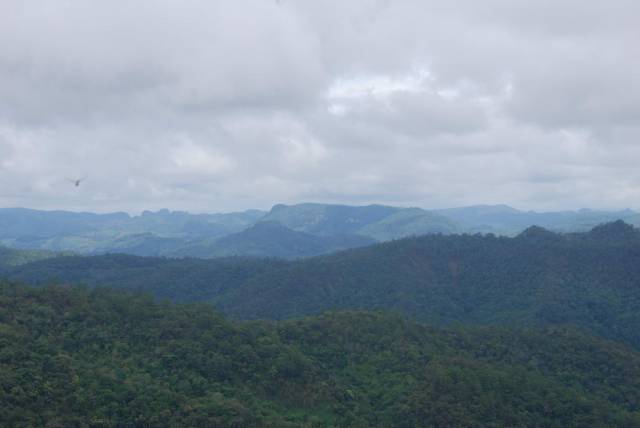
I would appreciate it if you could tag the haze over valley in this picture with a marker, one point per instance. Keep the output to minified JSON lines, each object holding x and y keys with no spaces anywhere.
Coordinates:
{"x":293,"y":231}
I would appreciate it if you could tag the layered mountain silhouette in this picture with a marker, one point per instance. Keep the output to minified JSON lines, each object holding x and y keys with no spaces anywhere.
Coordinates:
{"x":539,"y":277}
{"x":292,"y":231}
{"x":538,"y":329}
{"x":272,"y":239}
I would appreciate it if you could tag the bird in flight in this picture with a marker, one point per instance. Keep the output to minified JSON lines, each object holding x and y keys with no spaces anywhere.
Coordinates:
{"x":76,"y":181}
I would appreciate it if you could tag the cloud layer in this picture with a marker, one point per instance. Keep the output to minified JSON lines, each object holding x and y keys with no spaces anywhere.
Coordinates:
{"x":217,"y":106}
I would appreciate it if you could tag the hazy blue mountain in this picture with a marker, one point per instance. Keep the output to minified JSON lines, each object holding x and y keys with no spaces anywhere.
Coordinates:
{"x":22,"y":223}
{"x":384,"y":223}
{"x":272,"y":239}
{"x":182,"y":224}
{"x":375,"y":221}
{"x":151,"y":233}
{"x":633,"y":219}
{"x":141,"y":244}
{"x":504,"y":220}
{"x":326,"y":227}
{"x":326,"y":219}
{"x":409,"y":222}
{"x":175,"y":233}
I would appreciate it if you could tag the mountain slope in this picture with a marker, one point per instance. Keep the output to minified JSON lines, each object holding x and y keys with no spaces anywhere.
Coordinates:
{"x":71,"y":357}
{"x":409,"y":222}
{"x":325,"y":219}
{"x":147,"y":234}
{"x":379,"y":222}
{"x":10,"y":258}
{"x":271,"y":239}
{"x":181,"y":280}
{"x":540,"y":278}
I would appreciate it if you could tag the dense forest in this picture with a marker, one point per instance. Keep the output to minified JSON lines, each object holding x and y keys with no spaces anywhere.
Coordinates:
{"x":74,"y":356}
{"x":537,"y":278}
{"x":10,"y":257}
{"x":541,"y":329}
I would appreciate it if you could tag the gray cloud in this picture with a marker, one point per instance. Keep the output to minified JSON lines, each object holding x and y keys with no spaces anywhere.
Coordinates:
{"x":212,"y":106}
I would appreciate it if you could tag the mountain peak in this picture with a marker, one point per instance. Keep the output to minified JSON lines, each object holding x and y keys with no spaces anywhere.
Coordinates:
{"x":537,"y":233}
{"x":615,"y":230}
{"x":277,"y":207}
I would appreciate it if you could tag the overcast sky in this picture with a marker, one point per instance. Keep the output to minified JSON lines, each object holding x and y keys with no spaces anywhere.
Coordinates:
{"x":223,"y":105}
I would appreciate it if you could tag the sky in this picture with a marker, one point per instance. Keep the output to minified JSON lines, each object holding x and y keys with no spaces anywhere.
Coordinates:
{"x":210,"y":106}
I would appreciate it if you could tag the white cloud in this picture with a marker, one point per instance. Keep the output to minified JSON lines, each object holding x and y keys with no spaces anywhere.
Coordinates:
{"x":196,"y":159}
{"x":227,"y":105}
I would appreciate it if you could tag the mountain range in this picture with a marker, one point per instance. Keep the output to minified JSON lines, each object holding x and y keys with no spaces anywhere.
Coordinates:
{"x":293,"y":231}
{"x":537,"y":329}
{"x":537,"y":278}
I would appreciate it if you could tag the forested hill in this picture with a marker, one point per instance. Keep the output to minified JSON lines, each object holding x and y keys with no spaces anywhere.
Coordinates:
{"x":74,"y":357}
{"x":10,"y":257}
{"x":181,"y":280}
{"x":538,"y":278}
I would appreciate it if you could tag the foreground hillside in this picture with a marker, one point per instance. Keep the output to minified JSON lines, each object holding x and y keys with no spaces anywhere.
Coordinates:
{"x":538,"y":278}
{"x":73,"y":357}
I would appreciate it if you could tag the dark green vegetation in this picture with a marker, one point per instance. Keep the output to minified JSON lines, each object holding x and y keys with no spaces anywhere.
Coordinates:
{"x":181,"y":280}
{"x":306,"y":229}
{"x":74,"y":357}
{"x":10,"y":257}
{"x":538,"y":278}
{"x":549,"y":303}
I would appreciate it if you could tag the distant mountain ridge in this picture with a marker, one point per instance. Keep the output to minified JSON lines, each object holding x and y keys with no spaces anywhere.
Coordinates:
{"x":150,"y":234}
{"x":379,"y":222}
{"x":326,"y":228}
{"x":504,"y":220}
